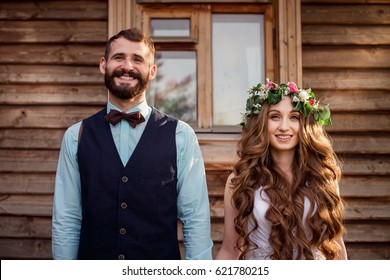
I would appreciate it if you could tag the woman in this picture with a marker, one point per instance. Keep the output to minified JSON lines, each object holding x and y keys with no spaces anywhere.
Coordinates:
{"x":282,"y":199}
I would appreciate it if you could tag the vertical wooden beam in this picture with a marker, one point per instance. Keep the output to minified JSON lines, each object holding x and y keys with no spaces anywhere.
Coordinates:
{"x":205,"y":98}
{"x":121,"y":15}
{"x":290,"y":41}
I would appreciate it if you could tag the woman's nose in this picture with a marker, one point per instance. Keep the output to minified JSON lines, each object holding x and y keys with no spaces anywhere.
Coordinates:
{"x":283,"y":124}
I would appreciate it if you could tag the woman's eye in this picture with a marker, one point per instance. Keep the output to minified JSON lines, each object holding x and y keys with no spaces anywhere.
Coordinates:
{"x":295,"y":117}
{"x":275,"y":117}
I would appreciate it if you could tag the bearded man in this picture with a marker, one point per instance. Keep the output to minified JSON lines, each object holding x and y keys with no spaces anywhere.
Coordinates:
{"x":129,"y":173}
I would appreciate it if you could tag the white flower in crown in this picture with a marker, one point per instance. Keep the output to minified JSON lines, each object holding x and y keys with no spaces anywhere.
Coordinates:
{"x":295,"y":98}
{"x":263,"y":94}
{"x":303,"y":95}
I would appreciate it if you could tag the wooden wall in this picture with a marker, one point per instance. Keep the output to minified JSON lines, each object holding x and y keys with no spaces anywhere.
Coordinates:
{"x":49,"y":79}
{"x":346,"y":47}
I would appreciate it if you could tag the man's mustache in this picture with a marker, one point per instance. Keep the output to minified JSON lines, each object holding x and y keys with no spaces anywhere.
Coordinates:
{"x":131,"y":74}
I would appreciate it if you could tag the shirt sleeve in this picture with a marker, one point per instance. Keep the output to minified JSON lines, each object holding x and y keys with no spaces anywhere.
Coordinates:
{"x":67,"y":213}
{"x":193,"y":202}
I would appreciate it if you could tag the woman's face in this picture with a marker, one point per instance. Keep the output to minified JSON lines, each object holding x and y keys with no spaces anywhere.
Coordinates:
{"x":283,"y":126}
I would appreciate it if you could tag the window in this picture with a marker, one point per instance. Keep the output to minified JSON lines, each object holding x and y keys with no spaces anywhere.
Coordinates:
{"x":207,"y":57}
{"x":238,"y":62}
{"x":173,"y":91}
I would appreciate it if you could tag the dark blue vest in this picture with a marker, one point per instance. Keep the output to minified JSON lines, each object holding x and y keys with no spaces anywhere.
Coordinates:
{"x":128,"y":212}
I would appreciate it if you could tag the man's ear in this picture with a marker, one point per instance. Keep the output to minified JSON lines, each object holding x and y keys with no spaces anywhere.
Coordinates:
{"x":102,"y":66}
{"x":152,"y":72}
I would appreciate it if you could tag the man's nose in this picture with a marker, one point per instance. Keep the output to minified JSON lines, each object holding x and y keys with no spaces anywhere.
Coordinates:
{"x":127,"y":64}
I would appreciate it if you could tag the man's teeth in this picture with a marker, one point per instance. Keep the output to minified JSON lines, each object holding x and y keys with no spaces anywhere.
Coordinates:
{"x":127,"y":78}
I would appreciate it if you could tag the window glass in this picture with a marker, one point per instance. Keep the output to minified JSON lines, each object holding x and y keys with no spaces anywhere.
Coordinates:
{"x":170,"y":27}
{"x":173,"y":91}
{"x":238,"y":63}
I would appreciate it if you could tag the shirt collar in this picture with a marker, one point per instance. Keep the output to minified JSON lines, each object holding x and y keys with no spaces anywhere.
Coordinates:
{"x":142,"y":107}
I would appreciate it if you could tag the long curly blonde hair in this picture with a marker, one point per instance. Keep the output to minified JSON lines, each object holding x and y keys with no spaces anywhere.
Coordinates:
{"x":316,"y":173}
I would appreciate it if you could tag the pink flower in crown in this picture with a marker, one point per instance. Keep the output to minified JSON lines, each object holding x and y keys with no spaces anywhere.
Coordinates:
{"x":312,"y":102}
{"x":293,"y":87}
{"x":269,"y":84}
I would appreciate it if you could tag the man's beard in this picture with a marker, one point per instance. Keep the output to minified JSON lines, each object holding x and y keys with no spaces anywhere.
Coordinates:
{"x":124,"y":90}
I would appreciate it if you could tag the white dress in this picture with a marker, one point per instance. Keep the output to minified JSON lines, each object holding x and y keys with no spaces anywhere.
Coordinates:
{"x":261,"y":235}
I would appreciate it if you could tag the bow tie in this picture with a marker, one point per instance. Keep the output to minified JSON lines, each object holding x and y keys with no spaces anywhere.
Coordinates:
{"x":134,"y":118}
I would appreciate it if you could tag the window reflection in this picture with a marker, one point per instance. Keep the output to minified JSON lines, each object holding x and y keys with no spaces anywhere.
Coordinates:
{"x":173,"y":91}
{"x":238,"y":63}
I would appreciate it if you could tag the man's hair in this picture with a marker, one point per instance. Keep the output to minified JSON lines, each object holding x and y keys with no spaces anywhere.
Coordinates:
{"x":134,"y":35}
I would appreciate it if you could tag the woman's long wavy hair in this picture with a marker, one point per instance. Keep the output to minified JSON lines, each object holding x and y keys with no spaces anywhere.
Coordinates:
{"x":316,"y":174}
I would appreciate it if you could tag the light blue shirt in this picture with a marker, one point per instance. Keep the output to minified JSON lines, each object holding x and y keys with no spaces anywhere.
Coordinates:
{"x":192,"y":196}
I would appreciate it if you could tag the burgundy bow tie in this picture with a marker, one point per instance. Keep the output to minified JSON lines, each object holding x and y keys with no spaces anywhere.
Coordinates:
{"x":134,"y":118}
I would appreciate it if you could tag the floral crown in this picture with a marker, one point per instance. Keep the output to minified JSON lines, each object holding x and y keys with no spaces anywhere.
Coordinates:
{"x":303,"y":100}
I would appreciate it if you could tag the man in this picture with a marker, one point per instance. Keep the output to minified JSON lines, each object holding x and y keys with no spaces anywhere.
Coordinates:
{"x":123,"y":180}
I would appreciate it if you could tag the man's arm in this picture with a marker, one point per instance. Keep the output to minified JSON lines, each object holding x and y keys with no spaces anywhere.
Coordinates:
{"x":193,"y":201}
{"x":67,"y":199}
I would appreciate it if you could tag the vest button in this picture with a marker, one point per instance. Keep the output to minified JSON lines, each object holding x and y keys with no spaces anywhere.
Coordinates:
{"x":122,"y":231}
{"x":121,"y":257}
{"x":123,"y":205}
{"x":125,"y":179}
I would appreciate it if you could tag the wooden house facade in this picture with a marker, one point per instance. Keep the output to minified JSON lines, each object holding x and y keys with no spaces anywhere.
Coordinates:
{"x":49,"y":79}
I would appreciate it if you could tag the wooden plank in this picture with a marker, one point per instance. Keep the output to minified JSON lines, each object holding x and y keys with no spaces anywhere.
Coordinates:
{"x":365,"y":186}
{"x":366,"y":165}
{"x":47,"y":10}
{"x":28,"y":205}
{"x":356,"y":209}
{"x":65,"y":54}
{"x":44,"y":117}
{"x":362,"y":144}
{"x":346,"y":14}
{"x":368,"y":251}
{"x":37,"y":94}
{"x":368,"y":232}
{"x":25,"y":227}
{"x":47,"y":139}
{"x":27,"y":249}
{"x":346,"y":57}
{"x":346,"y":79}
{"x":27,"y":183}
{"x":28,"y":161}
{"x":355,"y":100}
{"x":377,"y":122}
{"x":35,"y":74}
{"x":61,"y":31}
{"x":216,"y":180}
{"x":363,"y":209}
{"x":345,"y":35}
